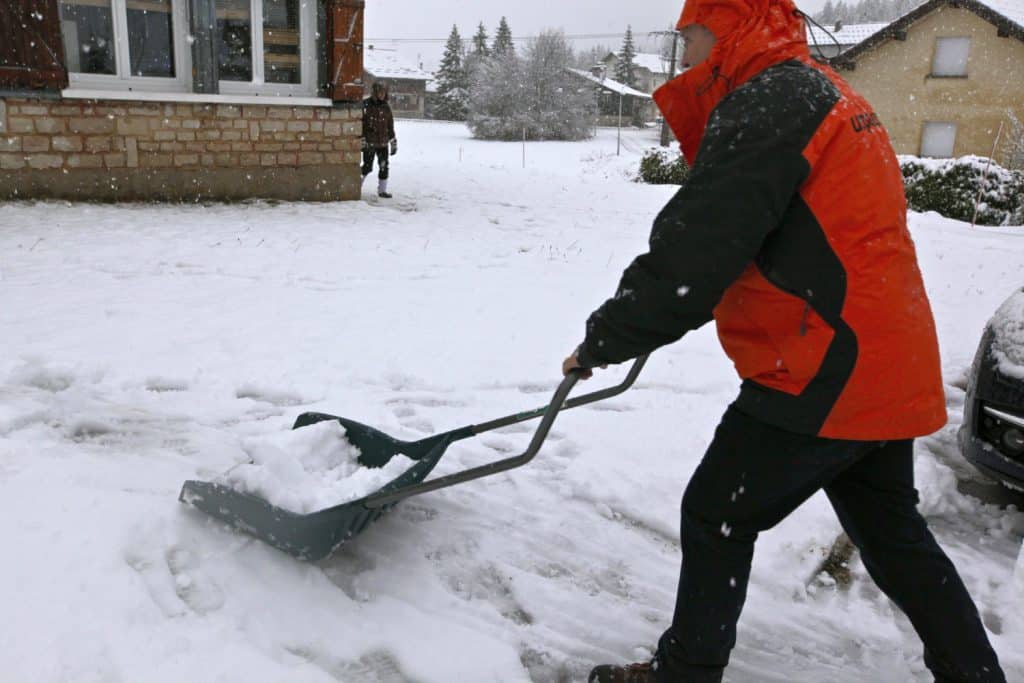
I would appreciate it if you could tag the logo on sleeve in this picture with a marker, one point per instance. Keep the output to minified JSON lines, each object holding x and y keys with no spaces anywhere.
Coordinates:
{"x":863,"y":122}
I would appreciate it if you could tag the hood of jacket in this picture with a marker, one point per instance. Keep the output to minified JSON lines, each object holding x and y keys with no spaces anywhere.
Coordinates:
{"x":750,"y":36}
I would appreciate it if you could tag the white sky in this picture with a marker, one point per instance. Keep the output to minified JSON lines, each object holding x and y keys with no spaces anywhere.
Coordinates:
{"x":416,"y":19}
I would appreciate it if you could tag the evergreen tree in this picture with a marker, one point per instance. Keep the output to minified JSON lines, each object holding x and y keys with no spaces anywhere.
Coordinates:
{"x":503,"y":39}
{"x":479,"y":53}
{"x":827,"y":14}
{"x":535,"y":95}
{"x":496,"y":94}
{"x":480,"y":48}
{"x":452,"y":85}
{"x":625,"y":69}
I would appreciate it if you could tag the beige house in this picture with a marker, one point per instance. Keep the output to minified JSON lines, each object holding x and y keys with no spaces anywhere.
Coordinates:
{"x":945,"y":77}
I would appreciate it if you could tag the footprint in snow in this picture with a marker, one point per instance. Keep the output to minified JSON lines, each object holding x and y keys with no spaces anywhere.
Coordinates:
{"x":164,"y":384}
{"x":175,"y":580}
{"x":376,"y":666}
{"x":191,"y":584}
{"x":277,"y":397}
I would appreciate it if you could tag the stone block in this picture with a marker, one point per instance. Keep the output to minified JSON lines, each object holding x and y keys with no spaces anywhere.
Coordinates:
{"x":85,"y":161}
{"x":44,"y":161}
{"x":91,"y":125}
{"x":133,"y":126}
{"x":64,"y":143}
{"x":35,"y":143}
{"x":19,"y":124}
{"x":97,"y":144}
{"x":50,"y":125}
{"x":12,"y":162}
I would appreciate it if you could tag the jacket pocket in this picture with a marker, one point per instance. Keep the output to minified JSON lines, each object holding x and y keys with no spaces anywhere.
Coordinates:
{"x":802,"y":338}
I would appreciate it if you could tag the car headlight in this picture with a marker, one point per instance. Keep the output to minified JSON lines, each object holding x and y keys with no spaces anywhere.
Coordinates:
{"x":1005,"y":430}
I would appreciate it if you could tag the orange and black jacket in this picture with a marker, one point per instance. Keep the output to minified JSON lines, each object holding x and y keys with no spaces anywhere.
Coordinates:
{"x":791,"y":234}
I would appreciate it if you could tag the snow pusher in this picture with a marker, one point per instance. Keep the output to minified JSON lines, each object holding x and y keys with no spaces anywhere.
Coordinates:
{"x":315,"y":535}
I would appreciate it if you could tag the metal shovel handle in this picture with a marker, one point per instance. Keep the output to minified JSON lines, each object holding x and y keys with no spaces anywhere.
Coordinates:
{"x":549,"y":412}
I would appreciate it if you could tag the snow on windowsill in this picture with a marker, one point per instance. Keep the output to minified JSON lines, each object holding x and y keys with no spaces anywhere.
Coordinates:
{"x":198,"y":98}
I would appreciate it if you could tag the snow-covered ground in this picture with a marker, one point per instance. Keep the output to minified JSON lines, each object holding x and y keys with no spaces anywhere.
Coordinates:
{"x":144,"y":345}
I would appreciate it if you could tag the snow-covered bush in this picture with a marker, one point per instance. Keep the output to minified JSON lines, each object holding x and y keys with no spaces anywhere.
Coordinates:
{"x":534,"y":95}
{"x":952,"y":187}
{"x":1013,"y":143}
{"x":663,"y":167}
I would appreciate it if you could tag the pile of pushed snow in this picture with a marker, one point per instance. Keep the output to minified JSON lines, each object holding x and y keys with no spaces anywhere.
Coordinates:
{"x":309,"y":469}
{"x":1008,"y":329}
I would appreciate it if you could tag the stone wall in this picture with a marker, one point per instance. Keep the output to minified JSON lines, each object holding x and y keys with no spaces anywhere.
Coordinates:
{"x":112,"y":150}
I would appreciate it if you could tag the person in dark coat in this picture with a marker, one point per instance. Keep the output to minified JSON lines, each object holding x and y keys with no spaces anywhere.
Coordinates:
{"x":378,"y":136}
{"x":791,"y":234}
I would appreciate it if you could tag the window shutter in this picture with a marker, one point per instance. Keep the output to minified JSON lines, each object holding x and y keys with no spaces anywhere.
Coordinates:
{"x":345,"y":49}
{"x":31,"y":49}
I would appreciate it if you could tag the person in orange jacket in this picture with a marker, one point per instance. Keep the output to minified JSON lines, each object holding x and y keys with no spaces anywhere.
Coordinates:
{"x":791,"y":233}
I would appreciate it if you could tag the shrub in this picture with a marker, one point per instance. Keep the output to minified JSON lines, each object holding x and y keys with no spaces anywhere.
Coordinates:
{"x":663,"y":167}
{"x":951,"y":187}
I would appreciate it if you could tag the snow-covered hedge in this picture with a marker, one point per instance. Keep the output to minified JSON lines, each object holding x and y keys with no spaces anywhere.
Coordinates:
{"x":661,"y":166}
{"x":952,"y":186}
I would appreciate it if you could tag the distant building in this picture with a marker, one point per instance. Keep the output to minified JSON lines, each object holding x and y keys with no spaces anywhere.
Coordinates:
{"x":651,"y":70}
{"x":617,"y":103}
{"x":407,"y":82}
{"x":945,"y":76}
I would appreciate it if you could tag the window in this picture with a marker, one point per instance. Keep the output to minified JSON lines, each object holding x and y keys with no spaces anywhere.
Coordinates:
{"x":125,"y":43}
{"x":950,"y":58}
{"x":278,"y":59}
{"x":405,"y":101}
{"x":938,"y":139}
{"x":145,"y":44}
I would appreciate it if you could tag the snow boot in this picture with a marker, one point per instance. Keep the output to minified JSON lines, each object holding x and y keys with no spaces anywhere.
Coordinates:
{"x":631,"y":673}
{"x":382,"y":190}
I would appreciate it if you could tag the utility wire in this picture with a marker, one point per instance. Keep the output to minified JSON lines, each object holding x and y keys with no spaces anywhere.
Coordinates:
{"x":579,"y":36}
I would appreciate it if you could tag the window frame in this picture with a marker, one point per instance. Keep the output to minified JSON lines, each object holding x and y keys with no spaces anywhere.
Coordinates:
{"x":935,"y":56}
{"x":308,"y":64}
{"x":123,"y":79}
{"x":924,"y":133}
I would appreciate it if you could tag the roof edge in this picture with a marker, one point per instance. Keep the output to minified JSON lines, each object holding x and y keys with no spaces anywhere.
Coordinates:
{"x":847,"y":60}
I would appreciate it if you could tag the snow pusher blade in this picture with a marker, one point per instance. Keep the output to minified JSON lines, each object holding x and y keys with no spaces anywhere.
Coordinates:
{"x":315,"y":535}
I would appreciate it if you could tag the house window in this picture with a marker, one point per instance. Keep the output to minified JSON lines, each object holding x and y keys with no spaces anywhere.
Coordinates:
{"x":938,"y":139}
{"x":405,"y":101}
{"x":278,"y":58}
{"x":950,"y":58}
{"x":124,"y":43}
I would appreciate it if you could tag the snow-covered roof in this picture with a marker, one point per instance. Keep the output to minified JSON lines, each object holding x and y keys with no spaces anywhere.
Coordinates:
{"x":609,"y":84}
{"x":390,"y":65}
{"x":654,"y":63}
{"x":848,"y":34}
{"x":1011,"y":9}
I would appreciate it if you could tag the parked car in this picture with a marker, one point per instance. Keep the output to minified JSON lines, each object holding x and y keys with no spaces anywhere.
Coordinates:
{"x":992,"y":435}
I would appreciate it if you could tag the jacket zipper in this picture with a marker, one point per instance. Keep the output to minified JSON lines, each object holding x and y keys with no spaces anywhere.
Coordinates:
{"x":803,"y":320}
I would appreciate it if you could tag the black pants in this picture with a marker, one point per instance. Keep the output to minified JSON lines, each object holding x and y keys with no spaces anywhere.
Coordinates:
{"x":382,"y":161}
{"x":753,"y":476}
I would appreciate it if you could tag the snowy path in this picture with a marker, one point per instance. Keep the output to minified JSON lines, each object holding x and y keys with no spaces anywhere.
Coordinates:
{"x":141,"y":344}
